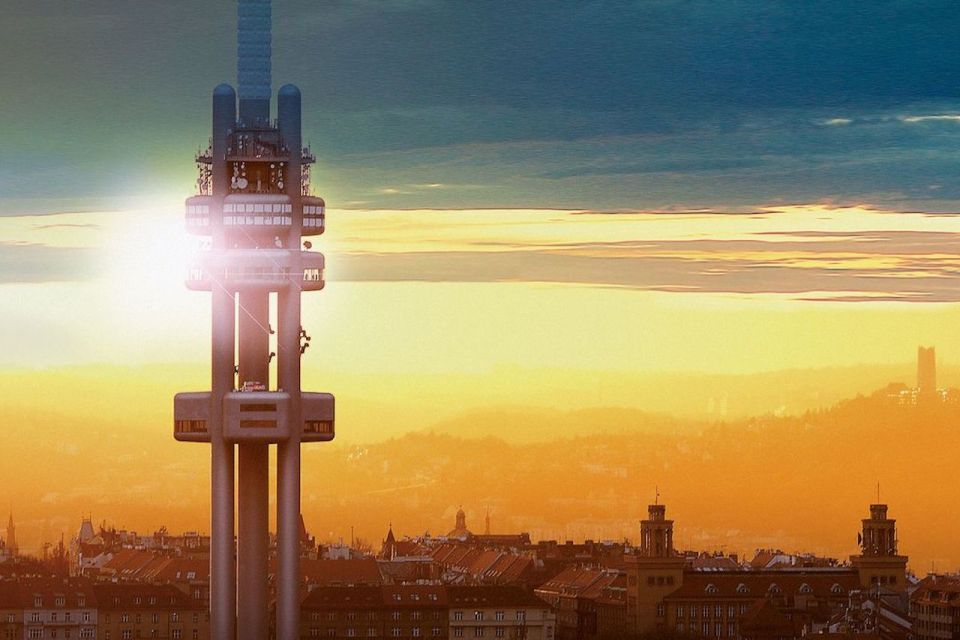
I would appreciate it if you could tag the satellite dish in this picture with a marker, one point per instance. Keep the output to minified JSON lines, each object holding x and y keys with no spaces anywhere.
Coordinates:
{"x":280,"y":184}
{"x":242,"y":183}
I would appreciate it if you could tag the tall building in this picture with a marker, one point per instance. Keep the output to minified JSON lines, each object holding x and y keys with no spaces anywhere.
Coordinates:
{"x":255,"y":204}
{"x":926,"y":370}
{"x":653,"y":572}
{"x":878,"y":563}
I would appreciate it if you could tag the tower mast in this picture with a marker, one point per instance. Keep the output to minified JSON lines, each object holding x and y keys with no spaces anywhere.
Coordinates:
{"x":254,"y":203}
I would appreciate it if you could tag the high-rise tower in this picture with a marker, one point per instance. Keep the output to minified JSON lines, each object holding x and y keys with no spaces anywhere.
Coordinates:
{"x":926,"y":371}
{"x":254,"y":204}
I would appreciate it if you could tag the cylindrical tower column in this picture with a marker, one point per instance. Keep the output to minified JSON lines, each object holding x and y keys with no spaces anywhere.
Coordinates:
{"x":253,"y":538}
{"x":288,"y":378}
{"x":223,"y":603}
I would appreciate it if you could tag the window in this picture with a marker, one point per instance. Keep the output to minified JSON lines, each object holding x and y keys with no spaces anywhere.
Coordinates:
{"x":176,"y":634}
{"x":706,"y":629}
{"x":395,"y":632}
{"x":38,"y":601}
{"x":718,"y":611}
{"x":521,"y":616}
{"x":60,"y":601}
{"x":499,"y":615}
{"x":706,"y":611}
{"x":458,"y":615}
{"x":435,"y":632}
{"x":742,"y":588}
{"x":478,"y":615}
{"x":458,"y":632}
{"x":693,"y":612}
{"x":731,"y":630}
{"x":718,"y":629}
{"x":395,"y":616}
{"x":499,"y":632}
{"x":680,"y":628}
{"x":679,"y":610}
{"x":478,"y":632}
{"x":661,"y":610}
{"x":415,"y":632}
{"x":731,"y":611}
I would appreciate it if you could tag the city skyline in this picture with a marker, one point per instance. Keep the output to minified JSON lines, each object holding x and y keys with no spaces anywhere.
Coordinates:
{"x":582,"y":262}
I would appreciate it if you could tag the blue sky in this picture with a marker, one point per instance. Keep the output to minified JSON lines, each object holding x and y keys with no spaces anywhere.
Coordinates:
{"x":659,"y":104}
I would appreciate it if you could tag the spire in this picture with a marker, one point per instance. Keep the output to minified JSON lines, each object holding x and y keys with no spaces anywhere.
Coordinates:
{"x":12,"y":535}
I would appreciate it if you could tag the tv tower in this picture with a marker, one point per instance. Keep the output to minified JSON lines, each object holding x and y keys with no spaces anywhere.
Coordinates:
{"x":254,"y":204}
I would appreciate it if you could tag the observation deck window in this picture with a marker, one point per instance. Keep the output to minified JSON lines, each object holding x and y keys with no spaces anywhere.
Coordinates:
{"x":190,"y":426}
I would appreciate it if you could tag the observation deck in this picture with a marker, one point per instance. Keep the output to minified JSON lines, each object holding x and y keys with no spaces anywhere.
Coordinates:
{"x":270,"y":269}
{"x":254,"y":416}
{"x":260,"y":214}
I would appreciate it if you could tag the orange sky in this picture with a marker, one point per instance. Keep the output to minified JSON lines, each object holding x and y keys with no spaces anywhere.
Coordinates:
{"x":431,"y":315}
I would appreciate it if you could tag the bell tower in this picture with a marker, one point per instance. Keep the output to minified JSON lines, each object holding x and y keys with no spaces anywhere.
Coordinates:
{"x":653,"y":572}
{"x":879,"y":562}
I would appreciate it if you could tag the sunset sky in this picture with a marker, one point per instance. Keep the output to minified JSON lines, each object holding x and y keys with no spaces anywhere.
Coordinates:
{"x":526,"y":203}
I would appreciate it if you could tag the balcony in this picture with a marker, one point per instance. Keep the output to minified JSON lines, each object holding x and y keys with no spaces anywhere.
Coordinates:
{"x":270,"y":269}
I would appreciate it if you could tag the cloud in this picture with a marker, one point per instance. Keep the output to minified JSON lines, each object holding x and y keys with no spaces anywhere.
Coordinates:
{"x":903,"y":266}
{"x":933,"y":118}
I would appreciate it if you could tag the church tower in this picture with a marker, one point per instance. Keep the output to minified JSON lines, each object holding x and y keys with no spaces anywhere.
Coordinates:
{"x":12,"y":536}
{"x":653,"y":572}
{"x":879,"y":562}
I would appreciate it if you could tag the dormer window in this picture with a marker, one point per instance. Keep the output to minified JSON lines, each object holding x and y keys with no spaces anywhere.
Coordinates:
{"x":711,"y":588}
{"x":805,"y":588}
{"x":774,"y":588}
{"x":742,"y":588}
{"x":836,"y":588}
